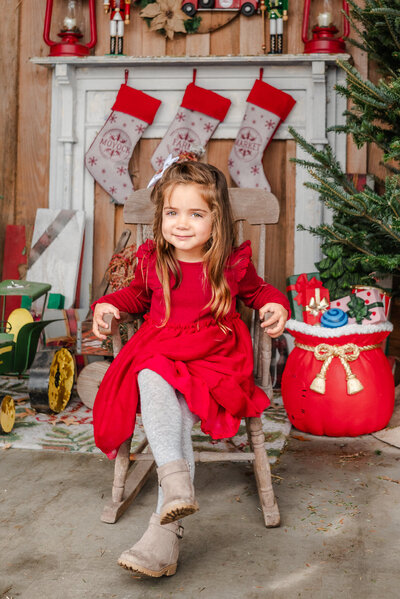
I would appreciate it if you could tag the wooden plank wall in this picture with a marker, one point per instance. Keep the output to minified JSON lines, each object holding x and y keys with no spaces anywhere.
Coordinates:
{"x":25,"y":158}
{"x":24,"y":139}
{"x":9,"y":55}
{"x":241,"y":36}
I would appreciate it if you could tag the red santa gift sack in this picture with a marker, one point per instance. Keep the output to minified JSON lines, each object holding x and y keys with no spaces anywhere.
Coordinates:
{"x":338,"y":382}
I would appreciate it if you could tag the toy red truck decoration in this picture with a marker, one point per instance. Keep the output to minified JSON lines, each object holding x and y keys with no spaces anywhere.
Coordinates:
{"x":246,"y":7}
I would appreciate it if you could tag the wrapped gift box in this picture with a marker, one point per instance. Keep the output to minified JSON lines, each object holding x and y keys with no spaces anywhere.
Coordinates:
{"x":317,"y":302}
{"x":341,"y":303}
{"x":296,"y":287}
{"x":374,"y":294}
{"x":366,"y":305}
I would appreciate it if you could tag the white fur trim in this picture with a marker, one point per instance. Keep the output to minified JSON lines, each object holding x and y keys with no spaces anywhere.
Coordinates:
{"x":348,"y":329}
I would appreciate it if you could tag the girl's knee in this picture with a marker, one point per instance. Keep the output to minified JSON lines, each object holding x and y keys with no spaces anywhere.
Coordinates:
{"x":148,"y":376}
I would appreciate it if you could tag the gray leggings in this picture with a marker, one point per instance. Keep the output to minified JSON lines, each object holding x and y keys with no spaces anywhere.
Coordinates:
{"x":167,"y":422}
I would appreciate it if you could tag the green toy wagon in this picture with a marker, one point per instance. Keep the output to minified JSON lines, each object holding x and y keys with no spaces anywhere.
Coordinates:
{"x":51,"y":372}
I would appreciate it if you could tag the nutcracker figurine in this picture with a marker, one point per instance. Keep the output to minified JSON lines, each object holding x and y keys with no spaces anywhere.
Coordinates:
{"x":119,"y":15}
{"x":277,"y":13}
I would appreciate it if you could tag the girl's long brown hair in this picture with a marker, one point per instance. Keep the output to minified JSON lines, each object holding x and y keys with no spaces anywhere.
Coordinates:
{"x":214,"y":190}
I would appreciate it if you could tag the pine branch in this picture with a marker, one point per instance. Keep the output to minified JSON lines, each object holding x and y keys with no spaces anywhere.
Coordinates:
{"x":327,"y":231}
{"x":356,"y":79}
{"x":376,"y":104}
{"x":333,"y":192}
{"x":375,"y":37}
{"x":385,"y":13}
{"x":365,"y":230}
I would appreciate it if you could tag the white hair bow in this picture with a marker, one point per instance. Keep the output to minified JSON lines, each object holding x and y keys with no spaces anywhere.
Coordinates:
{"x":168,"y":161}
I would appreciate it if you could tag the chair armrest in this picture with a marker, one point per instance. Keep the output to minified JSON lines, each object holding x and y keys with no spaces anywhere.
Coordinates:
{"x":264,"y":362}
{"x":132,"y":321}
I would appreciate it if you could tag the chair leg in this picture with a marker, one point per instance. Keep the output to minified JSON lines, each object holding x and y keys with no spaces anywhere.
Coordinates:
{"x":126,"y":485}
{"x":262,"y":472}
{"x":121,"y":468}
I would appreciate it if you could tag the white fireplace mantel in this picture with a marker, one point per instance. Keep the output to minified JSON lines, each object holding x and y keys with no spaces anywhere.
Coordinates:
{"x":84,"y":89}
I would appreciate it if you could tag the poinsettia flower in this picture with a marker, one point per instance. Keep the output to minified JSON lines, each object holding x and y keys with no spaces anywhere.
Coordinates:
{"x":167,"y":15}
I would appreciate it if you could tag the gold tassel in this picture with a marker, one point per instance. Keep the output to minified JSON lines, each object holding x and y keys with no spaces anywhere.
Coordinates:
{"x":318,"y":385}
{"x":346,"y":353}
{"x":353,"y":385}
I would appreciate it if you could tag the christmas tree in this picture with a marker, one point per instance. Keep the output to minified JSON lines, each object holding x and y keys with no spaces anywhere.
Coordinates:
{"x":363,"y":238}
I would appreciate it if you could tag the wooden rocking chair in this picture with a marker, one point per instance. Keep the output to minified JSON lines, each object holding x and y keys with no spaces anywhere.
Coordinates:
{"x":259,"y":208}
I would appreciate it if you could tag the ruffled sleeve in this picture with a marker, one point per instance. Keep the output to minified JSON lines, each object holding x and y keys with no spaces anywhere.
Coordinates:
{"x":146,"y":251}
{"x":252,"y":289}
{"x":136,"y":297}
{"x":239,"y":260}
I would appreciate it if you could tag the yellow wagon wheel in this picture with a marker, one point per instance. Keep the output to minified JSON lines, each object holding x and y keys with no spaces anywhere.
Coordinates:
{"x":50,"y":380}
{"x":7,"y":414}
{"x":61,"y":379}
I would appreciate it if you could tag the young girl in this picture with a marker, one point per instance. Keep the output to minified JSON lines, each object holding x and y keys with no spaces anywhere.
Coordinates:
{"x":192,"y":357}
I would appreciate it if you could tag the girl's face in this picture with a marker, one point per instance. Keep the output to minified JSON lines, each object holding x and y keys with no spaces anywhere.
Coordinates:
{"x":186,"y":222}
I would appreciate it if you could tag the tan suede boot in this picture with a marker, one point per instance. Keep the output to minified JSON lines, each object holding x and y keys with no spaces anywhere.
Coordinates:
{"x":156,"y":553}
{"x":178,"y":491}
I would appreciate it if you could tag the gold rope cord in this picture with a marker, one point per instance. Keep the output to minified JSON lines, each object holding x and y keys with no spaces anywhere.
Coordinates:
{"x":346,"y":353}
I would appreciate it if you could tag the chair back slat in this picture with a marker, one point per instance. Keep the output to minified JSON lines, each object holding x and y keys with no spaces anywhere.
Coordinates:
{"x":256,"y":206}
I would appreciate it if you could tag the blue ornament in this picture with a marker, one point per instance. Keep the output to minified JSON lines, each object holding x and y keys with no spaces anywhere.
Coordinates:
{"x":334,"y":318}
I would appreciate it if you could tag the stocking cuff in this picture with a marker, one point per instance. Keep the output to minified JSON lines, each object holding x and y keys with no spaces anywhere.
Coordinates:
{"x":136,"y":103}
{"x":270,"y":98}
{"x":205,"y":101}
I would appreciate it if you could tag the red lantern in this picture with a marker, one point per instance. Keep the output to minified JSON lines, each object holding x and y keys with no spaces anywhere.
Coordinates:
{"x":323,"y":28}
{"x":70,"y":29}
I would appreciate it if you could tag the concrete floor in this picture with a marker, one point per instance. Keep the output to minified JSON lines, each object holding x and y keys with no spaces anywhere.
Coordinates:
{"x":339,"y":536}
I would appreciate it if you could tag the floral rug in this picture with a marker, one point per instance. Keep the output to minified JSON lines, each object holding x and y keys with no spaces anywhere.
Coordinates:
{"x":72,"y":430}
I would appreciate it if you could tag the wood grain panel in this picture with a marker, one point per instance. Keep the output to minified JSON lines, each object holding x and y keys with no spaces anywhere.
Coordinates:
{"x":176,"y":46}
{"x":120,"y":226}
{"x":133,"y":167}
{"x":135,"y":33}
{"x":274,"y":163}
{"x":103,"y":31}
{"x":142,"y":166}
{"x":375,"y":164}
{"x":103,"y":236}
{"x":153,"y":44}
{"x":226,"y":40}
{"x":217,"y":153}
{"x":357,"y":157}
{"x":33,"y":118}
{"x":290,"y":206}
{"x":9,"y":55}
{"x":198,"y":44}
{"x":251,"y":35}
{"x":292,"y":28}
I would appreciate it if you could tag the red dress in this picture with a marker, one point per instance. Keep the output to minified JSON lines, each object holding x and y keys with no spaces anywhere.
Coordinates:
{"x":212,"y":369}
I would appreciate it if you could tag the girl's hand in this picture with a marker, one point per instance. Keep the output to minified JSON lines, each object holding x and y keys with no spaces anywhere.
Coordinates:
{"x":99,"y":311}
{"x":275,"y":325}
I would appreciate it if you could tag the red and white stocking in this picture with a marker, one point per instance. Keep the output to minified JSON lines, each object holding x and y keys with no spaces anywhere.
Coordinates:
{"x":108,"y":157}
{"x":199,"y":115}
{"x":267,"y":108}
